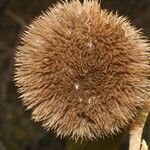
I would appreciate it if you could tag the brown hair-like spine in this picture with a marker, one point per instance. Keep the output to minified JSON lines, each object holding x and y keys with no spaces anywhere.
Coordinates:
{"x":83,"y":70}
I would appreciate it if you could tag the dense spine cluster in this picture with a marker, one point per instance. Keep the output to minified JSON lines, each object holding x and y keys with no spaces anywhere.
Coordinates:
{"x":83,"y":70}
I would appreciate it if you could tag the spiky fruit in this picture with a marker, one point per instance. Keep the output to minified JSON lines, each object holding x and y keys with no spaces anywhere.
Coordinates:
{"x":82,"y":70}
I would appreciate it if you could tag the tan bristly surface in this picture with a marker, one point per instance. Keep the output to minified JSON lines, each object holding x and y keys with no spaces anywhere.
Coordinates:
{"x":83,"y":70}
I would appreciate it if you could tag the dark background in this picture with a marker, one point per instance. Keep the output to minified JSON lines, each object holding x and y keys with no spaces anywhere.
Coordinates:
{"x":17,"y":130}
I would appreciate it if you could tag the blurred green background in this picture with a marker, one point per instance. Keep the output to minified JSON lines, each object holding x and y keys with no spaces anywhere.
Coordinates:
{"x":17,"y":130}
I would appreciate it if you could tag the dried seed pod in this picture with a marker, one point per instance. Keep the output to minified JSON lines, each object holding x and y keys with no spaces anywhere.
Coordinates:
{"x":83,"y":70}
